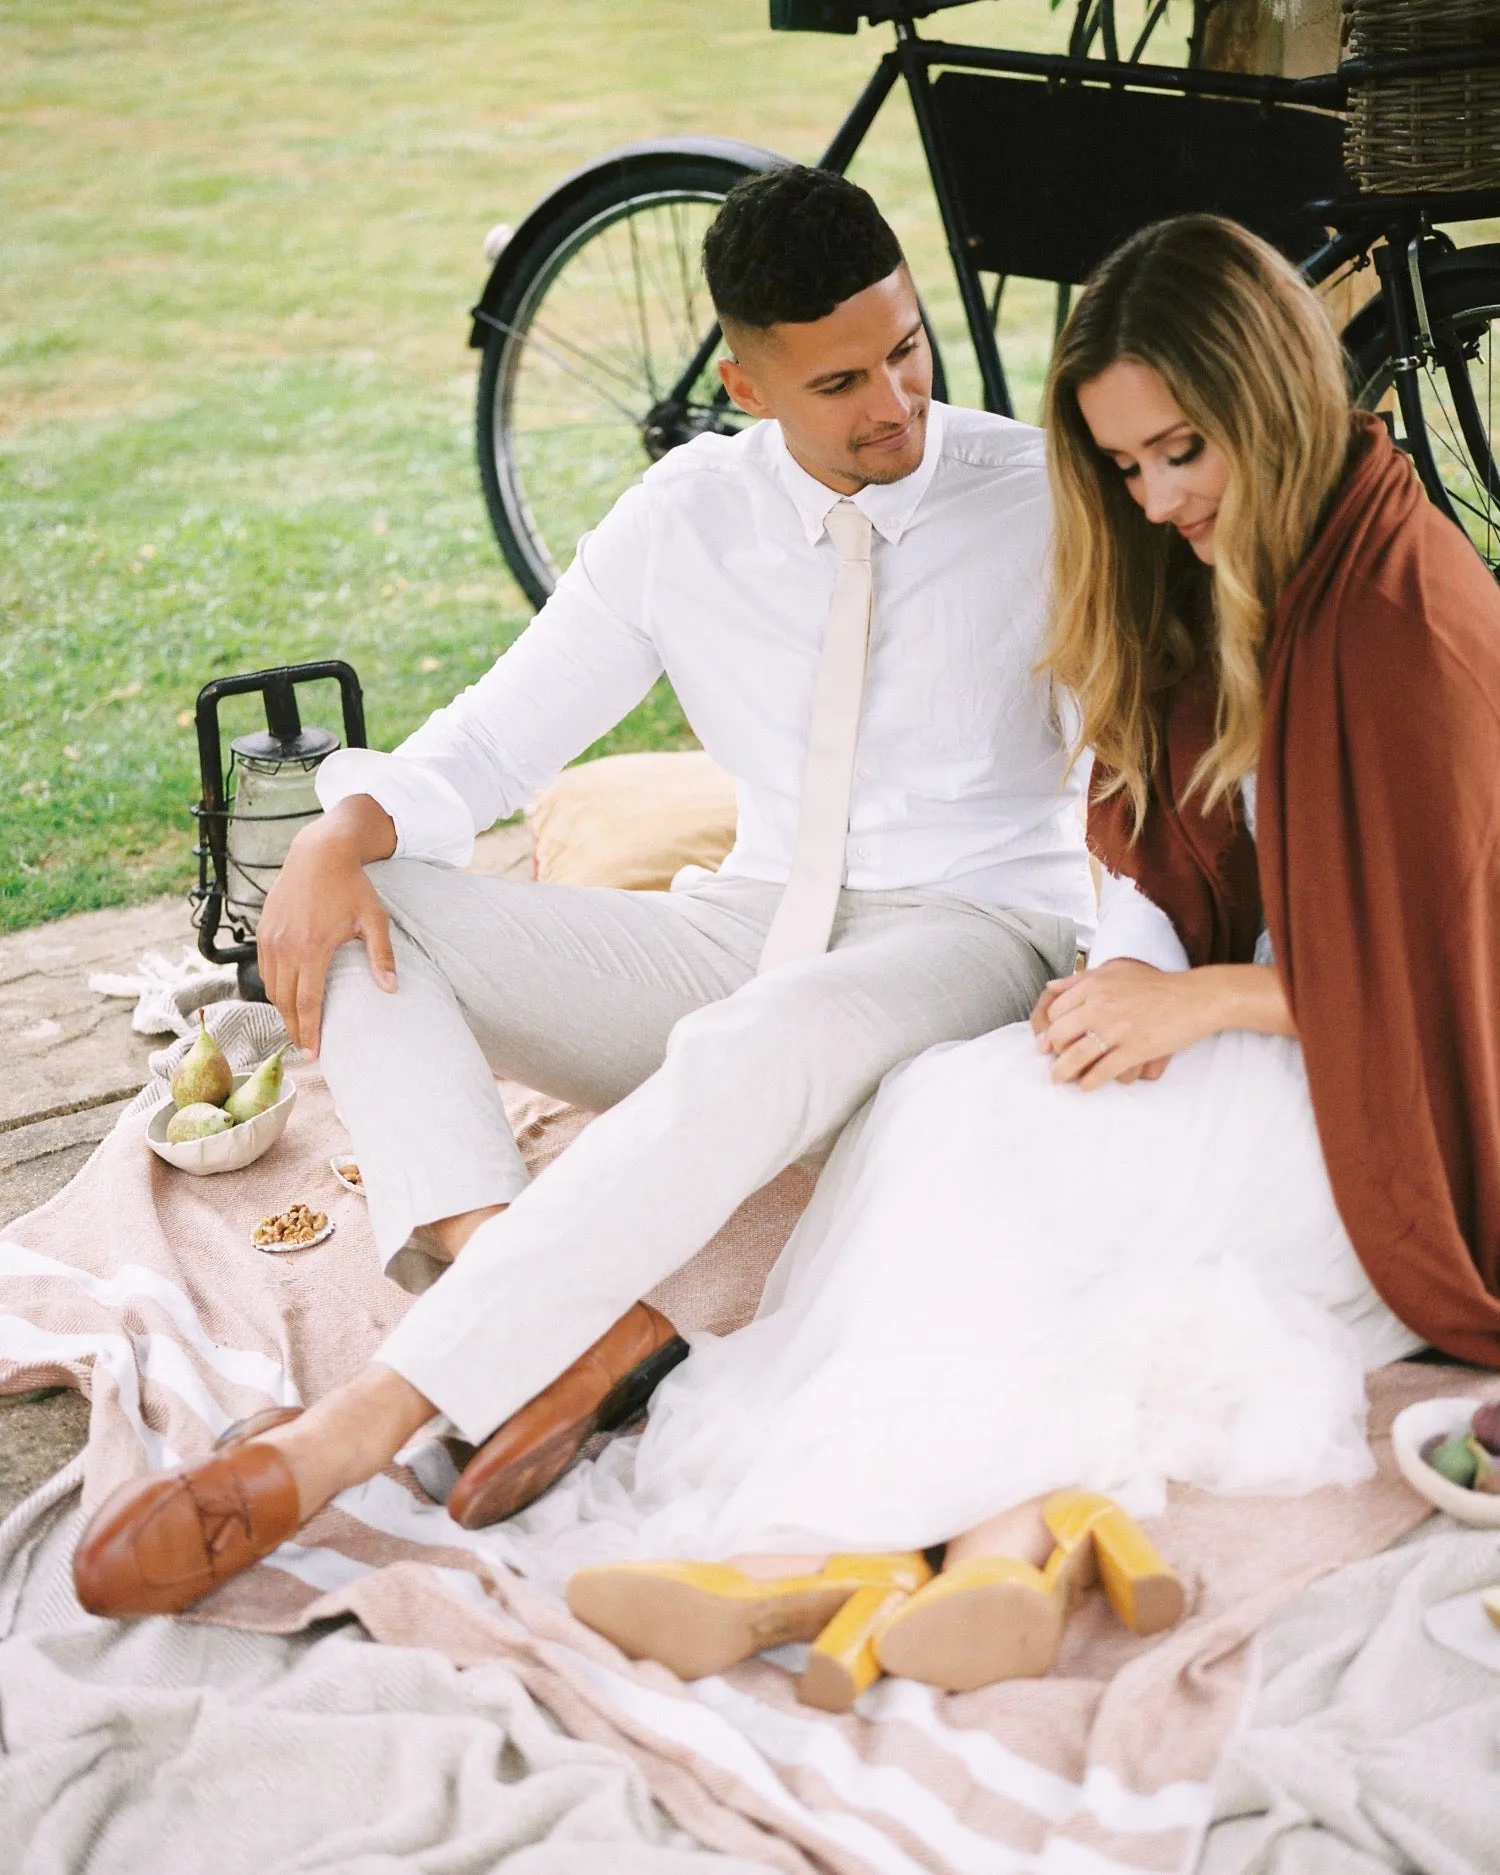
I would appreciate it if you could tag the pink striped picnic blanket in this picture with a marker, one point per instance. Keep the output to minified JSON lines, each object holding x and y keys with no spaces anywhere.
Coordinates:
{"x":139,"y":1285}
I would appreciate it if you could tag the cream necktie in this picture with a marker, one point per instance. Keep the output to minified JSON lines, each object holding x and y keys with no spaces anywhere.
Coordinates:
{"x":804,"y":918}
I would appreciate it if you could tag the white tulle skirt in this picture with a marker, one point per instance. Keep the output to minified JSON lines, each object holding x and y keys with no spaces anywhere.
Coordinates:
{"x":1002,"y":1287}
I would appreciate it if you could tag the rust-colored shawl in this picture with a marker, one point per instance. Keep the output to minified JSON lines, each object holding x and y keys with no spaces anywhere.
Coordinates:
{"x":1378,"y":816}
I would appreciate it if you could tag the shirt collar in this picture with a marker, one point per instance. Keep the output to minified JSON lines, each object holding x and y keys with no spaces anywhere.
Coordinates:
{"x":890,"y":506}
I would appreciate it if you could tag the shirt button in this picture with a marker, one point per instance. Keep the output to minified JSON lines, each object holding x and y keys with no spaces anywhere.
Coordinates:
{"x":863,"y":773}
{"x":861,"y":852}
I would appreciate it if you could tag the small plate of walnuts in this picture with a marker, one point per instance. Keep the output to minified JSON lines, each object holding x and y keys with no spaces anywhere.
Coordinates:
{"x":296,"y":1228}
{"x":348,"y":1174}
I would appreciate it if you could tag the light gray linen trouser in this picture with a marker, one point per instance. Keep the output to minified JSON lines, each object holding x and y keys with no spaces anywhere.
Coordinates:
{"x":645,"y":1004}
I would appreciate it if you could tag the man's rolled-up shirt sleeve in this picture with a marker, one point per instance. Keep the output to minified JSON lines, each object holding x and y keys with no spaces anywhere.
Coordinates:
{"x":1131,"y":926}
{"x":585,"y":661}
{"x":432,"y":818}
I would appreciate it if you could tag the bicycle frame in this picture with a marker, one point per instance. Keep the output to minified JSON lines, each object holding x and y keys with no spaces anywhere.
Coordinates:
{"x":913,"y":59}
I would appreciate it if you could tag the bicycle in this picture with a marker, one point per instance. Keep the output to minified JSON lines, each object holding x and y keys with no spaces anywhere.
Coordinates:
{"x":599,"y":344}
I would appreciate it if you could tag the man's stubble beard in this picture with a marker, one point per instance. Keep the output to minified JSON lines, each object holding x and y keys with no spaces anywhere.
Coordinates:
{"x":895,"y":475}
{"x":873,"y":476}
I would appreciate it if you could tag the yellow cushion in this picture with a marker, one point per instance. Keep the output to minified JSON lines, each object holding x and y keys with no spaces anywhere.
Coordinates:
{"x":633,"y":820}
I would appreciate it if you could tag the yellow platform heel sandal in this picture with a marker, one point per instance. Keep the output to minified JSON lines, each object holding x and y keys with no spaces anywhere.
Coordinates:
{"x":995,"y":1618}
{"x":989,"y":1618}
{"x":1137,"y":1580}
{"x":701,"y":1618}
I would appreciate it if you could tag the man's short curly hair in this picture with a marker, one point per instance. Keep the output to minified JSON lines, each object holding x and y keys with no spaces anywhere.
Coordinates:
{"x":791,"y":244}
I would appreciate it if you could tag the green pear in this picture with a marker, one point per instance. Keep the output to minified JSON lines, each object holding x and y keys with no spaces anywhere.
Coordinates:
{"x":198,"y":1120}
{"x":204,"y":1073}
{"x":262,"y":1090}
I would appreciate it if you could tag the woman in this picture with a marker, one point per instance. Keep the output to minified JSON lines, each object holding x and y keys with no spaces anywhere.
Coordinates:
{"x":1110,"y":1254}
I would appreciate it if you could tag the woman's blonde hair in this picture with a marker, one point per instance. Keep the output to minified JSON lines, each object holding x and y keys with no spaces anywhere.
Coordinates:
{"x":1250,"y":357}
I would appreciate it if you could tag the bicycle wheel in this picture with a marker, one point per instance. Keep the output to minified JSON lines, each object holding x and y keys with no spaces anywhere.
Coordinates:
{"x":1460,"y":385}
{"x":588,"y":347}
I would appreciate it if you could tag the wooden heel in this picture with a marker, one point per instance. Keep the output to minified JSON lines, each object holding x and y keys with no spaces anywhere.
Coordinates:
{"x":1137,"y":1580}
{"x":1142,"y":1587}
{"x":841,"y":1662}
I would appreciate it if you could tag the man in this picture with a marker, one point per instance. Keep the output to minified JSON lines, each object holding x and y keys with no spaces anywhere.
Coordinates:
{"x":848,"y":600}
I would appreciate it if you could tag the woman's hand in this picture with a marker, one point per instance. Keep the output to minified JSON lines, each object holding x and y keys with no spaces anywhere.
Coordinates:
{"x":1125,"y":1020}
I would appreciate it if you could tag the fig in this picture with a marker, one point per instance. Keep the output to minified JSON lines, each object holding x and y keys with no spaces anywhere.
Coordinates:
{"x":1486,"y":1469}
{"x":1452,"y":1459}
{"x":1486,"y":1427}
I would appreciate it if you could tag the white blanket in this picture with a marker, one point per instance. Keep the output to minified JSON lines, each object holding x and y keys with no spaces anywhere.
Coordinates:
{"x":1372,"y":1746}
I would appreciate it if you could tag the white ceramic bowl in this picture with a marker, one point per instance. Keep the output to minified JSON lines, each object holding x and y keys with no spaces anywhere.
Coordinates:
{"x":224,"y":1152}
{"x":1412,"y":1429}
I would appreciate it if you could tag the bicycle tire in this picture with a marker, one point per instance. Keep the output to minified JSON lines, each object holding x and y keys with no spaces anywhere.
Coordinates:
{"x":1463,"y":303}
{"x":556,"y":233}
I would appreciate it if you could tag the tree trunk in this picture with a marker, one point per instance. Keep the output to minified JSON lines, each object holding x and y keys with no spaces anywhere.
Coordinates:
{"x":1242,"y":36}
{"x":1248,"y":36}
{"x":1312,"y":38}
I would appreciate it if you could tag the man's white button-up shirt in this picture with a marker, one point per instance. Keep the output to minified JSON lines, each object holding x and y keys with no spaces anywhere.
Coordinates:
{"x":716,"y":569}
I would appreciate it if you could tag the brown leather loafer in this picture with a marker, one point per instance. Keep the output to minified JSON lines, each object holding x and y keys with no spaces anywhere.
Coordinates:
{"x":600,"y":1391}
{"x":163,"y":1542}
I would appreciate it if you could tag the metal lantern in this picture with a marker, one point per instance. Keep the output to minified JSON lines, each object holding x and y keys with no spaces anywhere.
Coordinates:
{"x":249,"y":816}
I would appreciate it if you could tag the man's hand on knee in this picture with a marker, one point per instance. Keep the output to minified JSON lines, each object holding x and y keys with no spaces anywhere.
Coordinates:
{"x":322,"y":899}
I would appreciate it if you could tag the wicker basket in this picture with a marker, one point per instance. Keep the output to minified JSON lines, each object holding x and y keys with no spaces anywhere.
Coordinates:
{"x":1416,"y":136}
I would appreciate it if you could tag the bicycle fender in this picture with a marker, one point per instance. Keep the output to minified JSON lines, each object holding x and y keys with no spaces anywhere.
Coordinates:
{"x":616,"y":164}
{"x":1483,"y":257}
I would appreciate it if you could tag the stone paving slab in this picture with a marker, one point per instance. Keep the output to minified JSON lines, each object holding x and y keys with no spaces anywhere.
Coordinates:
{"x":36,"y":1161}
{"x":65,"y":1047}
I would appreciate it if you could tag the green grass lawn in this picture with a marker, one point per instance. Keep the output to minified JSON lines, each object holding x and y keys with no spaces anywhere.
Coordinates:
{"x":237,"y":246}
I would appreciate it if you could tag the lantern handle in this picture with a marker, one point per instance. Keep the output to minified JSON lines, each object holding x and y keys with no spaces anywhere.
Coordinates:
{"x":283,"y":718}
{"x":279,"y":684}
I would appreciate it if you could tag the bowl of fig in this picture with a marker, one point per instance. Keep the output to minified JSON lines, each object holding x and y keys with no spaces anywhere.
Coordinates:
{"x":217,"y":1120}
{"x":1449,"y":1450}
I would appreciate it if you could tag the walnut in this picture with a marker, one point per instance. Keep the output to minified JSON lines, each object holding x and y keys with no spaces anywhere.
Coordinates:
{"x":298,"y":1224}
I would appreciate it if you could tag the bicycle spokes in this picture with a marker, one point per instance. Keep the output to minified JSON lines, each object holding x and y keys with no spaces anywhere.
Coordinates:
{"x":602,"y":342}
{"x":1458,"y":388}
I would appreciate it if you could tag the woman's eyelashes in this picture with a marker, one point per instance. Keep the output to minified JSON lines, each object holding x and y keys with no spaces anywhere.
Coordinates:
{"x":1190,"y":453}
